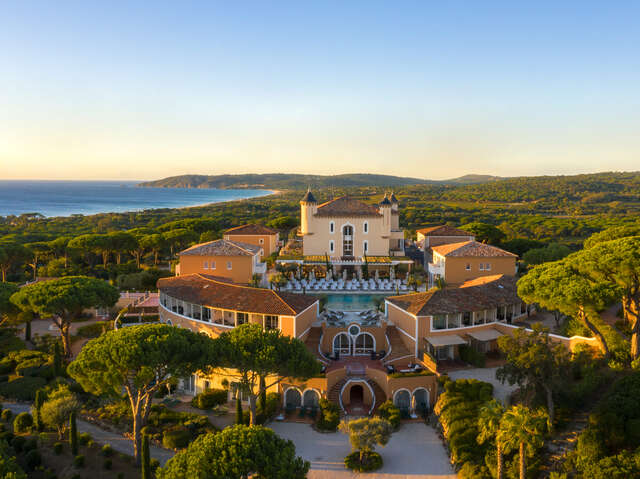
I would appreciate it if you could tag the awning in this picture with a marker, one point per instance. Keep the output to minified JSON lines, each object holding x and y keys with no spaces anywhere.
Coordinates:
{"x":485,"y":334}
{"x":445,"y":340}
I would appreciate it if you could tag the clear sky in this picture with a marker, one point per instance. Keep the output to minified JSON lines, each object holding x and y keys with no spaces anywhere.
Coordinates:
{"x":143,"y":90}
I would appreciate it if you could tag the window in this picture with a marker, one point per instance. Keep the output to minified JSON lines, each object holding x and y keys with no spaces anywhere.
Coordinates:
{"x":365,"y":246}
{"x":453,"y":320}
{"x":206,"y":265}
{"x":331,"y":247}
{"x":270,"y":322}
{"x":364,"y":344}
{"x":365,"y":227}
{"x":466,"y":318}
{"x":228,"y":264}
{"x":242,"y":318}
{"x":261,"y":241}
{"x":332,"y":227}
{"x":213,"y":265}
{"x":206,"y":314}
{"x":342,"y":344}
{"x":487,"y":267}
{"x":468,"y":267}
{"x":347,"y":240}
{"x":439,"y":321}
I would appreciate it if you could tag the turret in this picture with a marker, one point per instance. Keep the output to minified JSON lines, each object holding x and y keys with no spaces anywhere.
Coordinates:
{"x":385,"y":211}
{"x":395,"y":217}
{"x":308,"y":208}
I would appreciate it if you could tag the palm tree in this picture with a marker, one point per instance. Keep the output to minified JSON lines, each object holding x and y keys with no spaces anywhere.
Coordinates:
{"x":489,"y":425}
{"x":521,"y":427}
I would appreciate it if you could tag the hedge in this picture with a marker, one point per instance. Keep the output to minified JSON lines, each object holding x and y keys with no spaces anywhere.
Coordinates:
{"x":210,"y":398}
{"x":390,"y":412}
{"x":371,"y":461}
{"x":23,"y":388}
{"x":176,"y":437}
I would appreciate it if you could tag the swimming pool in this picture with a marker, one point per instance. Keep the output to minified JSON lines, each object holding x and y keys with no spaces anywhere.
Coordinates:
{"x":352,"y":302}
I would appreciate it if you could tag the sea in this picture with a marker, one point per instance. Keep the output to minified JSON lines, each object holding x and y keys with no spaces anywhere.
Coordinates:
{"x":66,"y":198}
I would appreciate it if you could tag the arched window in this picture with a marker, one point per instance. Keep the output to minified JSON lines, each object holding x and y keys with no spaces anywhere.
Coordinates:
{"x":342,"y":344}
{"x":365,"y":344}
{"x":292,"y":398}
{"x":332,"y":227}
{"x":402,"y":400}
{"x":310,"y":398}
{"x":365,"y":246}
{"x":365,"y":227}
{"x":332,"y":247}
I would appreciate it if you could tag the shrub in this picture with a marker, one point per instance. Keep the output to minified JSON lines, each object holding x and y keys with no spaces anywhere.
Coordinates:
{"x":32,"y":459}
{"x":371,"y":461}
{"x":6,"y":415}
{"x":57,"y":409}
{"x":176,"y":437}
{"x":107,"y":450}
{"x":4,"y":378}
{"x":23,"y":422}
{"x":6,"y":436}
{"x":390,"y":412}
{"x":272,"y":404}
{"x":57,"y":448}
{"x":471,"y":356}
{"x":84,"y":438}
{"x":22,"y":388}
{"x":154,"y":464}
{"x":94,"y":330}
{"x":17,"y":443}
{"x":30,"y":444}
{"x":210,"y":398}
{"x":78,"y":461}
{"x":329,"y":417}
{"x":107,"y":463}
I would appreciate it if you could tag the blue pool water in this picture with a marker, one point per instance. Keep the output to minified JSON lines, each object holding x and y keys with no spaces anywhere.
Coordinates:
{"x":352,"y":302}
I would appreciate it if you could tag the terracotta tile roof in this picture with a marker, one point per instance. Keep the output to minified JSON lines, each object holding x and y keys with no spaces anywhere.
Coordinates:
{"x":443,"y":230}
{"x":346,"y":206}
{"x":251,"y":229}
{"x":222,"y":247}
{"x":221,"y":293}
{"x":470,"y":249}
{"x":499,"y":291}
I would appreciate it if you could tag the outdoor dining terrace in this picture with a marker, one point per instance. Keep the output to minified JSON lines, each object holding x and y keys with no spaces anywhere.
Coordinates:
{"x":356,"y":285}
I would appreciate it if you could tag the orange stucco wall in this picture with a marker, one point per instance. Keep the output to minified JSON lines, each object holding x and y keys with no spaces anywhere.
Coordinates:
{"x":240,"y":272}
{"x":456,"y":272}
{"x":269,"y":242}
{"x":305,"y":319}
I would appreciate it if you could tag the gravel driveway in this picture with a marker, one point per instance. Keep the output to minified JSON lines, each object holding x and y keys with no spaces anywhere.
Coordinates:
{"x":415,"y":451}
{"x":500,"y":391}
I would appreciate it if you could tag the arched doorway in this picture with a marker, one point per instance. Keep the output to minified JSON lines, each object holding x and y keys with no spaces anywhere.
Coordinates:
{"x":356,"y":395}
{"x":342,"y":344}
{"x":347,"y":240}
{"x":402,"y":400}
{"x":365,"y":344}
{"x":421,"y":401}
{"x":292,"y":398}
{"x":310,"y":398}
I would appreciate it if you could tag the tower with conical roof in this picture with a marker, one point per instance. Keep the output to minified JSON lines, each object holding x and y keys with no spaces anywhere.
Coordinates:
{"x":395,"y":217}
{"x":308,"y":208}
{"x":385,"y":211}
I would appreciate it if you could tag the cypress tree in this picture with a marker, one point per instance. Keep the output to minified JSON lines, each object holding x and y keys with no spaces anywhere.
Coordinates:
{"x":239,"y":418}
{"x":146,"y":460}
{"x":73,"y":434}
{"x":27,"y":331}
{"x":57,"y":360}
{"x":262,"y":400}
{"x":37,"y":405}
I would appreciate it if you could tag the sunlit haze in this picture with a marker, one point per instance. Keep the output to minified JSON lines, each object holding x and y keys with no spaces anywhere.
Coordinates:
{"x":144,"y":90}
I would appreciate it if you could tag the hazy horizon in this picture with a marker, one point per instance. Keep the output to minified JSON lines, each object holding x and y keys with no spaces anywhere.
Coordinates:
{"x":142,"y":91}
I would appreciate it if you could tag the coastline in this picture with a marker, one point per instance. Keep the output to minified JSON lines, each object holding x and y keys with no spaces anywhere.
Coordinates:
{"x":65,"y":199}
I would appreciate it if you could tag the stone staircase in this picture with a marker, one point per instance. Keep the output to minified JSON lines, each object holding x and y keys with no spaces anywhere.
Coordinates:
{"x":380,"y":394}
{"x":334,"y":392}
{"x":398,"y":348}
{"x":312,"y":341}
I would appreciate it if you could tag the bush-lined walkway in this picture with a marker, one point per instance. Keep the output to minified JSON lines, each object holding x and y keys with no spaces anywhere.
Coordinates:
{"x":118,"y":442}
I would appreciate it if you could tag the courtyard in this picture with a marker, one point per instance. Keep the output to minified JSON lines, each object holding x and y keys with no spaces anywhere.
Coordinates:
{"x":414,"y":451}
